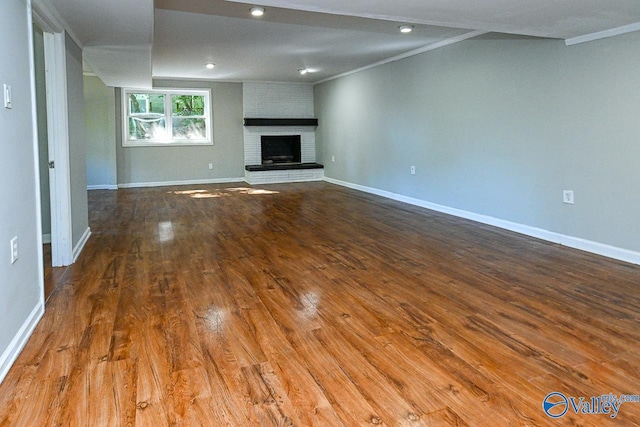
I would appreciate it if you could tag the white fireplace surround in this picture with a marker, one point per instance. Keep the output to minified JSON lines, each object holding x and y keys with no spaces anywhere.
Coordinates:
{"x":253,"y":145}
{"x":275,"y":100}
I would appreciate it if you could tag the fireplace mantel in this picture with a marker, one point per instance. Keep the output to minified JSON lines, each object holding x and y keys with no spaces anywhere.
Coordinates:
{"x":280,"y":122}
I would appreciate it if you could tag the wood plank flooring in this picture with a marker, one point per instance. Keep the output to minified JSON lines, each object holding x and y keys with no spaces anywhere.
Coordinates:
{"x":313,"y":305}
{"x":52,"y":275}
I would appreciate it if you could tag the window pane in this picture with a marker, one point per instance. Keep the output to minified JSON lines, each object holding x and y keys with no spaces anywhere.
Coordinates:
{"x":141,"y":128}
{"x":187,"y":105}
{"x":144,"y":103}
{"x":152,"y":121}
{"x":186,"y":128}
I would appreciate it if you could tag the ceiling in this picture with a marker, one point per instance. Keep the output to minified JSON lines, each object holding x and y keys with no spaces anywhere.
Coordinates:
{"x":541,"y":18}
{"x":127,"y":43}
{"x":274,"y":47}
{"x":116,"y":36}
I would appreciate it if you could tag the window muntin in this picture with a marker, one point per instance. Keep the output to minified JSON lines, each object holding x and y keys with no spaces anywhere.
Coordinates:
{"x":166,"y":117}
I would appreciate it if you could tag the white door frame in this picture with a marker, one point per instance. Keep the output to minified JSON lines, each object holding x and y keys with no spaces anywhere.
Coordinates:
{"x":57,"y":133}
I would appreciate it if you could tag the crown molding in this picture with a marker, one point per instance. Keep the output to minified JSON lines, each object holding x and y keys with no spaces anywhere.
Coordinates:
{"x":47,"y":17}
{"x":414,"y":52}
{"x":603,"y":34}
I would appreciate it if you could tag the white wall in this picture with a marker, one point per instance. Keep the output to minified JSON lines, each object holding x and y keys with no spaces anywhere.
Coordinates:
{"x":153,"y":165}
{"x":20,"y":283}
{"x":499,"y":126}
{"x":100,"y":125}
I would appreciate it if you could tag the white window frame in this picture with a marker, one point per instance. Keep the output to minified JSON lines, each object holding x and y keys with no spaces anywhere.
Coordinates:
{"x":167,"y":92}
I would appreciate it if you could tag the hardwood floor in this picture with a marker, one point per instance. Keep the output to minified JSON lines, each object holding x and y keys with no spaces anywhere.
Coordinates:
{"x":314,"y":305}
{"x":52,"y":275}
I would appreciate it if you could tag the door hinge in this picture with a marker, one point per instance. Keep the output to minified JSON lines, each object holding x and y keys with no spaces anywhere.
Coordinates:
{"x":52,"y":164}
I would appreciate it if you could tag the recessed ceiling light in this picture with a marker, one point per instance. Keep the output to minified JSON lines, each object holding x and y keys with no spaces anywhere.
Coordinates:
{"x":406,"y":28}
{"x":257,"y":11}
{"x":210,"y":65}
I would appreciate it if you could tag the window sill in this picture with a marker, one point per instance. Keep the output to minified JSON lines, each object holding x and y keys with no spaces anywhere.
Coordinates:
{"x":166,"y":144}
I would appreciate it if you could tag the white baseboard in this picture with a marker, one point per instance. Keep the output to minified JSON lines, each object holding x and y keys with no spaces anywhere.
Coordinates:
{"x":20,"y":340}
{"x":46,"y":239}
{"x":102,"y":187}
{"x":171,"y":183}
{"x":77,"y":250}
{"x":539,"y":233}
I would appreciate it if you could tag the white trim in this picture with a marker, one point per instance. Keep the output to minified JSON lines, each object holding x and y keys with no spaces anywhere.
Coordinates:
{"x":199,"y":79}
{"x":46,"y":239}
{"x":58,"y":139}
{"x":175,"y":143}
{"x":414,"y":52}
{"x":603,"y":34}
{"x":50,"y":21}
{"x":168,"y":116}
{"x":550,"y":236}
{"x":36,"y":151}
{"x":102,"y":187}
{"x":172,"y":183}
{"x":20,"y":340}
{"x":46,"y":17}
{"x":77,"y":250}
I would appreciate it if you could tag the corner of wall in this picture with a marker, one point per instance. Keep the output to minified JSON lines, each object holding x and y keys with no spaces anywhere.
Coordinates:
{"x":20,"y":340}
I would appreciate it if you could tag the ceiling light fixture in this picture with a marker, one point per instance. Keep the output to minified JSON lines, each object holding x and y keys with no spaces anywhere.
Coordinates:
{"x":210,"y":65}
{"x":405,"y":29}
{"x":303,"y":71}
{"x":257,"y":11}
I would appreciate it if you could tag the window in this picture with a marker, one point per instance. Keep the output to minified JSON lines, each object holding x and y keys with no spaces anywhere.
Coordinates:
{"x":166,"y":117}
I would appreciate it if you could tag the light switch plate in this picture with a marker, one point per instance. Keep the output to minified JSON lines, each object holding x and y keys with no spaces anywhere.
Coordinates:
{"x":14,"y":249}
{"x":7,"y":96}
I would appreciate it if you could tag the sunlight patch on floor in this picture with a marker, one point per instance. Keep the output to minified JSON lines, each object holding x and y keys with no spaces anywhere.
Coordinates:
{"x":207,"y":194}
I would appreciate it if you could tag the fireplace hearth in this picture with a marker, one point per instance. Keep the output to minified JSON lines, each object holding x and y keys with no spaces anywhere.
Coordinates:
{"x":281,"y":149}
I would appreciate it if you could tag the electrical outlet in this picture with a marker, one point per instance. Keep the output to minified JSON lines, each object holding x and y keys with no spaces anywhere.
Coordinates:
{"x":14,"y":249}
{"x":210,"y":166}
{"x":567,"y":197}
{"x":7,"y":96}
{"x":333,"y":158}
{"x":413,"y":170}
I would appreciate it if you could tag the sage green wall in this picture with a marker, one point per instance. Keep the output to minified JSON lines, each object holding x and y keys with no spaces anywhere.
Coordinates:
{"x":77,"y":142}
{"x":499,"y":126}
{"x":99,"y":119}
{"x":20,"y":282}
{"x":189,"y":163}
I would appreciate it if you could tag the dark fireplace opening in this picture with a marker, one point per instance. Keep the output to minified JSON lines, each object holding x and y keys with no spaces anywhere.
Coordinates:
{"x":281,"y":149}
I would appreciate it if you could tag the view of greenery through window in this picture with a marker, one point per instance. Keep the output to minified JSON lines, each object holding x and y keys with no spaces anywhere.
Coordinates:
{"x":189,"y":122}
{"x":146,"y":116}
{"x":151,"y":119}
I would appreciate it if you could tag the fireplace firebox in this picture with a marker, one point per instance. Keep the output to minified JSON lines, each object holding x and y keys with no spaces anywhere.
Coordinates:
{"x":281,"y":149}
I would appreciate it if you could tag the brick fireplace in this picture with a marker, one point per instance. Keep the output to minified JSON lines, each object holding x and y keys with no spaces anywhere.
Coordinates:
{"x":279,"y":101}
